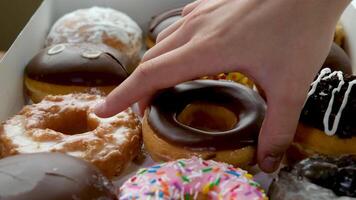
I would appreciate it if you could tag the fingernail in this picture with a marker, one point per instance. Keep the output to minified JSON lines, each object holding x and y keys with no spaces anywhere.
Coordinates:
{"x":99,"y":107}
{"x":271,"y":163}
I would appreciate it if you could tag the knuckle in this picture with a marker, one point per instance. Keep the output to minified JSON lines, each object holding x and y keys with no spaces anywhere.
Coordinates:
{"x":144,"y":71}
{"x":186,"y":9}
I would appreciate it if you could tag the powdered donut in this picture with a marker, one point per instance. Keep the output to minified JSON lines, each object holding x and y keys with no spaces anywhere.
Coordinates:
{"x":67,"y":124}
{"x":99,"y":25}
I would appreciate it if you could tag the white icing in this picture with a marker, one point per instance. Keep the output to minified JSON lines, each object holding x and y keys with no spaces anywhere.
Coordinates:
{"x":93,"y":25}
{"x":92,"y":54}
{"x":323,"y":94}
{"x":322,"y":76}
{"x":318,"y":79}
{"x":326,"y":118}
{"x":56,"y":49}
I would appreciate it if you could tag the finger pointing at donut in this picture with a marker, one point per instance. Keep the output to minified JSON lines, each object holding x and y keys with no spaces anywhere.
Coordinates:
{"x":161,"y":72}
{"x":280,"y":44}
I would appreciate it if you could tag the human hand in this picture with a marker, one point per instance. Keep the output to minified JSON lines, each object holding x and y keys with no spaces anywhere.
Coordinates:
{"x":280,"y":44}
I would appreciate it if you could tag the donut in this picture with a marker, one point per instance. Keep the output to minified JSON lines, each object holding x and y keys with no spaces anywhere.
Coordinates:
{"x":2,"y":54}
{"x":317,"y":178}
{"x":99,"y":26}
{"x":191,"y":178}
{"x":232,"y":76}
{"x":55,"y":176}
{"x":67,"y":124}
{"x":326,"y":124}
{"x":216,"y":120}
{"x":160,"y":22}
{"x":339,"y":35}
{"x":74,"y":68}
{"x":338,"y":60}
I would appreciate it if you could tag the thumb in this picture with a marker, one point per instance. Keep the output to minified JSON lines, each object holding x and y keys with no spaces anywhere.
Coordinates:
{"x":277,"y":131}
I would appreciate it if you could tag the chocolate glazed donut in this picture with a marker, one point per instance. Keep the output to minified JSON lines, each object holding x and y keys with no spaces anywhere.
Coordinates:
{"x":199,"y":137}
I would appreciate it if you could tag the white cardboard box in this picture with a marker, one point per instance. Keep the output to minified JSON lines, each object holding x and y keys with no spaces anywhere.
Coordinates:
{"x":32,"y":37}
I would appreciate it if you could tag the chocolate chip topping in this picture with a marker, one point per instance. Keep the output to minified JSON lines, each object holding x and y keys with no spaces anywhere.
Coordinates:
{"x":162,"y":21}
{"x":54,"y":176}
{"x":78,"y":64}
{"x":336,"y":174}
{"x":317,"y":104}
{"x":244,"y":102}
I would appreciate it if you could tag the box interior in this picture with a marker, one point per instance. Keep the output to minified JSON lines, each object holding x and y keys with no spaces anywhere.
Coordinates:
{"x":31,"y":39}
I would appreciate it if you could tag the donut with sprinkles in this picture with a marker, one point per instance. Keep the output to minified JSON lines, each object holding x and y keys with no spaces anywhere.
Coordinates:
{"x":189,"y":179}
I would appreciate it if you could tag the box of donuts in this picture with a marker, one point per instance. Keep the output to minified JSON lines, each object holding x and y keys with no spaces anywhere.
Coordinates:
{"x":192,"y":143}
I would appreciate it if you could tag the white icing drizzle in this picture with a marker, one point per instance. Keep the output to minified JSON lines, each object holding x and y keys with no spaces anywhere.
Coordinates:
{"x":327,"y":114}
{"x":56,"y":49}
{"x":338,"y":116}
{"x":316,"y":82}
{"x":326,"y":119}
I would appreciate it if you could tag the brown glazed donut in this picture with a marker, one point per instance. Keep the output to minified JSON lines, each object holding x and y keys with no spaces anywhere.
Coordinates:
{"x":340,"y":35}
{"x":52,"y":176}
{"x":217,"y":120}
{"x":338,"y":60}
{"x":74,"y":68}
{"x":161,"y":22}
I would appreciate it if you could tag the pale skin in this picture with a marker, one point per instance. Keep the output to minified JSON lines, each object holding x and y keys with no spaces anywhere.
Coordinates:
{"x":279,"y":44}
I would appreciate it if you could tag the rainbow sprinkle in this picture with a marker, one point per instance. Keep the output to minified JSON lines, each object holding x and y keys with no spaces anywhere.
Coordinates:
{"x":190,"y":179}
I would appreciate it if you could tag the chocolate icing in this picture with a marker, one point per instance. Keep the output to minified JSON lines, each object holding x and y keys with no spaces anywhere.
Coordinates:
{"x":55,"y":176}
{"x":317,"y":104}
{"x":337,"y":174}
{"x":244,"y":102}
{"x":317,"y":178}
{"x":78,"y":64}
{"x":337,"y":59}
{"x":162,"y":21}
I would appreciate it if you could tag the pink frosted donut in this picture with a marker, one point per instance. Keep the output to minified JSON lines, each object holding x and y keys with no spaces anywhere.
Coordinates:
{"x":191,"y":179}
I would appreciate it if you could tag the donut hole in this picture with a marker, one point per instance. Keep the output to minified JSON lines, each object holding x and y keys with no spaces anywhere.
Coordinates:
{"x":208,"y":117}
{"x":72,"y":122}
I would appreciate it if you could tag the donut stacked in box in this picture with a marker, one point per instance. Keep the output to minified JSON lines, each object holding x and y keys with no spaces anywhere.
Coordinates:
{"x":200,"y":133}
{"x":87,"y":53}
{"x":88,"y":50}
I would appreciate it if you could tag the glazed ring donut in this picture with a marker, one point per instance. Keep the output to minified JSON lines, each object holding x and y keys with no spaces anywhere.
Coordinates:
{"x":67,"y":124}
{"x":191,"y":179}
{"x":217,"y":120}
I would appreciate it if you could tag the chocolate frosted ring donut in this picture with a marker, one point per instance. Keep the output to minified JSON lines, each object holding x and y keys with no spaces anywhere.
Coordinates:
{"x":240,"y":109}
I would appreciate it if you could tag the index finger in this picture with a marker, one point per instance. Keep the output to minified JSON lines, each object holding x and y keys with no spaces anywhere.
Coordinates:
{"x":164,"y":71}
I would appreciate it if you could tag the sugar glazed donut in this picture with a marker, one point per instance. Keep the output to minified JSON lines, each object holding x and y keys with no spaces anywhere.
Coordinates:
{"x":327,"y":123}
{"x":217,"y":120}
{"x":191,"y":179}
{"x":52,"y":176}
{"x":74,"y":68}
{"x":67,"y":124}
{"x":99,"y":26}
